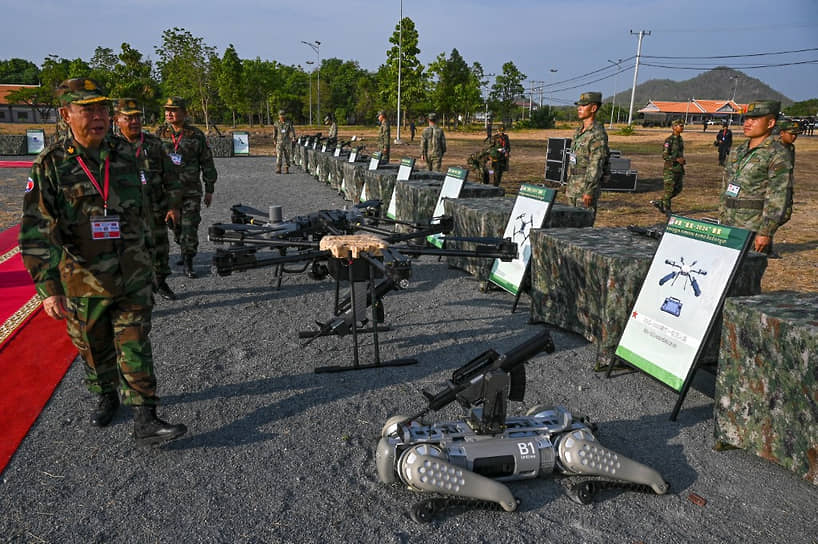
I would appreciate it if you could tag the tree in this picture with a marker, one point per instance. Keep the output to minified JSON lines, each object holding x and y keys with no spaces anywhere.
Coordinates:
{"x":54,"y":70}
{"x":413,"y":80}
{"x":340,"y":93}
{"x":133,"y":78}
{"x":451,"y":92}
{"x":506,"y":89}
{"x":187,"y":68}
{"x":19,"y":71}
{"x":229,"y":82}
{"x":102,"y":66}
{"x":804,"y":108}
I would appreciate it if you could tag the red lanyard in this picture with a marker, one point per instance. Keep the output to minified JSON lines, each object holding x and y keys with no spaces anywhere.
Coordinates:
{"x":94,"y":182}
{"x":175,"y":141}
{"x":141,"y":143}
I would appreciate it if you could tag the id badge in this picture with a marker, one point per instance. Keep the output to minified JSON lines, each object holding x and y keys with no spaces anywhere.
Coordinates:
{"x":733,"y":190}
{"x":105,"y":227}
{"x":572,"y":159}
{"x":142,"y":177}
{"x":175,"y":158}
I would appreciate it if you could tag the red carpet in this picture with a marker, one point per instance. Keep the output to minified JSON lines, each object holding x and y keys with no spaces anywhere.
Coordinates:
{"x":35,"y":351}
{"x":16,"y":164}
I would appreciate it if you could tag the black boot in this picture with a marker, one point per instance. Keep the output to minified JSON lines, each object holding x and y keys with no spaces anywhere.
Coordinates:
{"x":107,"y":405}
{"x":165,"y":291}
{"x":150,"y":430}
{"x":189,"y":266}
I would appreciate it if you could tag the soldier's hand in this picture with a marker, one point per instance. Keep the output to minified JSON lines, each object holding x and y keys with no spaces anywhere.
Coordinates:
{"x":54,"y":307}
{"x":587,"y":200}
{"x":681,"y":160}
{"x":762,"y":243}
{"x":208,"y":198}
{"x":173,"y":215}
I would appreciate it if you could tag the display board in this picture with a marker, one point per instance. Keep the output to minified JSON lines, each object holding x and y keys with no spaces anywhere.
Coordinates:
{"x":35,"y":140}
{"x":682,"y":293}
{"x":374,"y":161}
{"x":241,"y":143}
{"x":407,"y":164}
{"x":337,"y":152}
{"x":530,"y":211}
{"x":452,"y":184}
{"x":353,"y":155}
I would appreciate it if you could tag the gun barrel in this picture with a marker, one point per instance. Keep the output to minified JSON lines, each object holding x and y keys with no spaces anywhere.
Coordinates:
{"x":527,"y":350}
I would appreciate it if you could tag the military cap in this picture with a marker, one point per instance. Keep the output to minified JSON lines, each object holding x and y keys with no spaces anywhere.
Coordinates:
{"x":127,"y":106}
{"x":432,"y":116}
{"x":760,"y":108}
{"x":175,"y":102}
{"x":327,"y":118}
{"x":788,"y":125}
{"x":724,"y":123}
{"x":589,"y":98}
{"x":381,"y":112}
{"x":282,"y":112}
{"x":80,"y":90}
{"x":677,"y":121}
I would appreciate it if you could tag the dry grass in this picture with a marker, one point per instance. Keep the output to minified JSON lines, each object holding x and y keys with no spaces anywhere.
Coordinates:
{"x":796,"y":241}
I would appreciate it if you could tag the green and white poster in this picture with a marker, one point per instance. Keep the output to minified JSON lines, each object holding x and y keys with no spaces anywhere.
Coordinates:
{"x":530,"y":210}
{"x":680,"y":297}
{"x":374,"y":161}
{"x":452,"y":184}
{"x":35,"y":140}
{"x":241,"y":143}
{"x":405,"y":169}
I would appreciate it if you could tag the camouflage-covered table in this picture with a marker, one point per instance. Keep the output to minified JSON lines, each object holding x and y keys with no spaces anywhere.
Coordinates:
{"x":587,"y":280}
{"x":488,"y":217}
{"x":417,"y":197}
{"x":352,"y":179}
{"x":767,"y":385}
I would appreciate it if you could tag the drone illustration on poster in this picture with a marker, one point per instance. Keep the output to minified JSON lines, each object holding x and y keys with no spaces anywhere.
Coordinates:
{"x":673,"y":305}
{"x":522,"y":228}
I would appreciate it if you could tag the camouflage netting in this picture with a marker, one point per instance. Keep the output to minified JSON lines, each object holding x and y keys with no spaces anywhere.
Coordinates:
{"x":298,"y":155}
{"x":12,"y":144}
{"x":416,"y":198}
{"x":767,"y":384}
{"x":587,"y":280}
{"x":220,"y":146}
{"x":379,"y":183}
{"x":352,"y":179}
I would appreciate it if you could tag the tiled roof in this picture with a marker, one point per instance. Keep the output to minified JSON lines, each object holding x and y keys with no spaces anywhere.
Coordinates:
{"x":693,"y":106}
{"x":6,"y":89}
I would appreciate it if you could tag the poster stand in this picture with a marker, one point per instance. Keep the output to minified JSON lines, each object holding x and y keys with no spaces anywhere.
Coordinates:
{"x":241,"y":143}
{"x":407,"y":164}
{"x":452,"y":185}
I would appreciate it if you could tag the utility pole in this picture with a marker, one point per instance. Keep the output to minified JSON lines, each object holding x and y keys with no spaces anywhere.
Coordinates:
{"x":642,"y":34}
{"x":613,"y":98}
{"x":535,"y":86}
{"x":310,"y":84}
{"x":400,"y":58}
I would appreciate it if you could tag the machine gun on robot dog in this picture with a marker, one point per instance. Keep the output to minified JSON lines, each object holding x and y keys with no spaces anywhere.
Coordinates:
{"x":349,"y":245}
{"x":469,"y":459}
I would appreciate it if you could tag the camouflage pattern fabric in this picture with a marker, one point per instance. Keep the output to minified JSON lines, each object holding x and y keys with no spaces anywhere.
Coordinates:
{"x":767,"y":384}
{"x":333,"y":131}
{"x":762,"y":175}
{"x":590,"y":149}
{"x":353,"y":179}
{"x":164,"y":191}
{"x":417,"y":198}
{"x":673,"y":172}
{"x":433,"y":147}
{"x":384,"y":140}
{"x":477,"y":163}
{"x":196,"y":159}
{"x":790,"y":186}
{"x":283,"y":138}
{"x":587,"y":280}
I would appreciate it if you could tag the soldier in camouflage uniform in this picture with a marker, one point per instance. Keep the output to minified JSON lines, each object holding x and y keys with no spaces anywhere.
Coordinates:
{"x":85,"y":241}
{"x":673,"y":153}
{"x":497,"y":159}
{"x":432,"y":144}
{"x":384,"y":136}
{"x":788,"y":133}
{"x":187,"y":148}
{"x":283,"y":139}
{"x":332,"y":135}
{"x":588,"y":155}
{"x":159,"y":179}
{"x":477,"y":162}
{"x":754,"y":189}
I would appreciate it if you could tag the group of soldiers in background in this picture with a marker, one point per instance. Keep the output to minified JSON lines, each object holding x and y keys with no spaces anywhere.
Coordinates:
{"x":492,"y":161}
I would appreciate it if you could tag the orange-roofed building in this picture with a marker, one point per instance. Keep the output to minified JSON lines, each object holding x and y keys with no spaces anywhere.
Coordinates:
{"x":694,"y":111}
{"x":22,"y":113}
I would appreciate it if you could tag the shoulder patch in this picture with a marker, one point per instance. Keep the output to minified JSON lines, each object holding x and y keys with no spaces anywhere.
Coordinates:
{"x":29,"y":185}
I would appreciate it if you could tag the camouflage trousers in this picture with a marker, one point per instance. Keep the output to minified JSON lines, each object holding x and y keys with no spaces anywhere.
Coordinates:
{"x":574,"y":194}
{"x":283,"y":154}
{"x":186,"y":233}
{"x":495,"y":172}
{"x":433,"y":163}
{"x":111,"y":335}
{"x":161,"y":246}
{"x":674,"y":182}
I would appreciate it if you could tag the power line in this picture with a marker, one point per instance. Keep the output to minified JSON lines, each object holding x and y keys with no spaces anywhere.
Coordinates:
{"x":743,"y":67}
{"x":735,"y":56}
{"x":592,"y":72}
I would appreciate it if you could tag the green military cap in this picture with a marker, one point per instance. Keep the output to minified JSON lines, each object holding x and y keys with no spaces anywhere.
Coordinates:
{"x":788,"y":125}
{"x":381,"y":112}
{"x":282,"y":112}
{"x":589,"y":98}
{"x":127,"y":106}
{"x":80,"y":90}
{"x":760,"y":108}
{"x":175,"y":102}
{"x":677,"y":121}
{"x":432,"y":116}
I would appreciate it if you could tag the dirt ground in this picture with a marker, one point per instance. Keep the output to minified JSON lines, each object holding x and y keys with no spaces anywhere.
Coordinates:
{"x":796,"y":242}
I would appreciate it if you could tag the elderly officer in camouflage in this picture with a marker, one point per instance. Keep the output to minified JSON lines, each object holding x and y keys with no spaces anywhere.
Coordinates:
{"x":158,"y":176}
{"x":588,"y":155}
{"x":84,"y":238}
{"x":187,"y":148}
{"x":673,"y":153}
{"x":757,"y":177}
{"x":283,"y":139}
{"x":432,"y":144}
{"x":384,"y":136}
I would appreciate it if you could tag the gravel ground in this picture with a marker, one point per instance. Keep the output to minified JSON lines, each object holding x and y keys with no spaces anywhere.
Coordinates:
{"x":276,"y":453}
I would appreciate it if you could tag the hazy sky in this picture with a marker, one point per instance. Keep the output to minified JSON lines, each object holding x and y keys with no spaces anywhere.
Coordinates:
{"x":572,"y":37}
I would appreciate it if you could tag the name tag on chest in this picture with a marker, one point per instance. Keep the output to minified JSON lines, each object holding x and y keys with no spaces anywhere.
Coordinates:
{"x":175,"y":158}
{"x":733,"y":190}
{"x":105,"y":227}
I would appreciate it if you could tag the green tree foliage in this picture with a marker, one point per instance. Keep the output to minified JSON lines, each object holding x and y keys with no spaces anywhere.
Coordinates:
{"x":188,"y":68}
{"x":507,"y":88}
{"x":53,"y":71}
{"x":456,"y":90}
{"x":259,"y":78}
{"x":339,"y":89}
{"x":19,"y":71}
{"x":133,"y":78}
{"x":803,"y":109}
{"x":230,"y":82}
{"x":413,"y":80}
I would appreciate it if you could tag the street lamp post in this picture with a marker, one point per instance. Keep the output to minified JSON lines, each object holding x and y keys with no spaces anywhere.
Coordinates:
{"x":310,"y":75}
{"x":316,"y":46}
{"x":553,"y":71}
{"x":613,"y":98}
{"x":400,"y":64}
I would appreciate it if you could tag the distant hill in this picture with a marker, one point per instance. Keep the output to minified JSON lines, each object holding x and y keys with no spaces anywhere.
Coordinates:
{"x":715,"y":84}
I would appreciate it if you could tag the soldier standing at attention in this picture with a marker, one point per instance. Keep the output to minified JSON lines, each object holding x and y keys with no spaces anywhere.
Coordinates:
{"x":283,"y":138}
{"x":411,"y":131}
{"x":158,"y":176}
{"x":788,"y":133}
{"x":332,"y":135}
{"x":84,"y":238}
{"x":673,"y":153}
{"x":588,"y":155}
{"x":724,"y":141}
{"x":187,"y":148}
{"x":384,"y":136}
{"x":754,"y":190}
{"x":432,"y":144}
